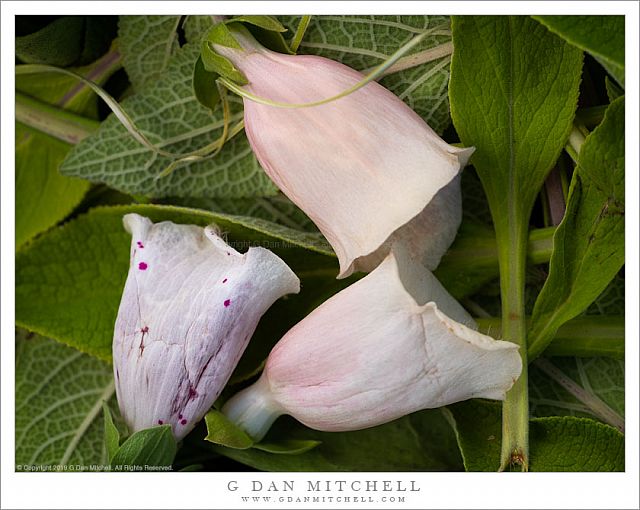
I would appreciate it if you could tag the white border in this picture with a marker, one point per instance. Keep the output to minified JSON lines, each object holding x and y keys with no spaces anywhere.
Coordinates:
{"x":208,"y":490}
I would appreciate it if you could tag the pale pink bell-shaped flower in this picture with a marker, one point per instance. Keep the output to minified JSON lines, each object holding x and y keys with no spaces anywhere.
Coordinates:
{"x":189,"y":307}
{"x":365,"y":168}
{"x":392,"y":343}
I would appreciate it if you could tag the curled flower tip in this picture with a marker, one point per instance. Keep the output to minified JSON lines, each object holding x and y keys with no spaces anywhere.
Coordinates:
{"x":180,"y":330}
{"x":365,"y":168}
{"x":393,"y":343}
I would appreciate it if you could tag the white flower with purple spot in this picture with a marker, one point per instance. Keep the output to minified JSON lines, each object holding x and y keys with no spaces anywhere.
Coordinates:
{"x":189,"y":307}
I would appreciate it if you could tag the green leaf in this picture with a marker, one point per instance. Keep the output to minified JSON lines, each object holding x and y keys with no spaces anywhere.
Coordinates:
{"x":196,"y":27}
{"x":422,"y":441}
{"x":266,"y":22}
{"x":277,"y":209}
{"x":59,"y":396}
{"x":69,"y":282}
{"x":613,"y":90}
{"x":147,"y":448}
{"x":601,"y":36}
{"x":224,"y":432}
{"x":509,"y":103}
{"x":147,"y":43}
{"x":204,"y":86}
{"x":287,"y":446}
{"x":557,"y":443}
{"x":64,"y":91}
{"x":587,"y":387}
{"x":38,"y":156}
{"x":216,"y":63}
{"x":111,"y":433}
{"x":67,"y":40}
{"x":43,"y":196}
{"x":168,"y":112}
{"x":363,"y":42}
{"x":589,"y":243}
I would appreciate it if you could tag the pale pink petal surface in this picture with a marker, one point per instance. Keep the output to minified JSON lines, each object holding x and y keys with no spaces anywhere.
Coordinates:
{"x":189,"y":307}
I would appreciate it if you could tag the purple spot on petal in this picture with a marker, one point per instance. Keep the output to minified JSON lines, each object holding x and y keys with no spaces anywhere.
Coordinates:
{"x":142,"y":266}
{"x":227,"y":302}
{"x":192,"y":393}
{"x":179,"y":416}
{"x":145,"y":329}
{"x":224,"y":281}
{"x":228,"y":253}
{"x":140,"y":245}
{"x":160,"y":422}
{"x":184,"y":422}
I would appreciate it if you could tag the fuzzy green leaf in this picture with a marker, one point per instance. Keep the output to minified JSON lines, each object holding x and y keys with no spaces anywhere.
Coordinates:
{"x":59,"y":396}
{"x":150,"y":447}
{"x":557,"y":443}
{"x":589,"y":243}
{"x":69,"y":281}
{"x":224,"y":432}
{"x":147,"y":43}
{"x":601,"y":36}
{"x":168,"y":112}
{"x":363,"y":42}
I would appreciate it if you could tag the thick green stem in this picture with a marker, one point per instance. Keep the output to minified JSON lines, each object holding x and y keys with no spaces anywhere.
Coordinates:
{"x":61,"y":124}
{"x":586,"y":336}
{"x":512,"y":253}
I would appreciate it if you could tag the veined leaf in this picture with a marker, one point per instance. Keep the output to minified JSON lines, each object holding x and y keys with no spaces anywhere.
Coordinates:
{"x":557,"y":443}
{"x":169,"y":114}
{"x":601,"y":36}
{"x":588,"y":387}
{"x":69,"y":282}
{"x":588,"y":246}
{"x":363,"y":42}
{"x":196,"y":26}
{"x":509,"y":103}
{"x":277,"y":209}
{"x":146,"y":448}
{"x":59,"y":396}
{"x":147,"y":43}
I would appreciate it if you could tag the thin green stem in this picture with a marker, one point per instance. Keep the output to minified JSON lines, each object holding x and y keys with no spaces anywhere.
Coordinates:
{"x":61,"y":124}
{"x":586,"y":336}
{"x":375,"y":74}
{"x":300,"y":31}
{"x":121,"y":114}
{"x":512,"y":244}
{"x":574,"y":144}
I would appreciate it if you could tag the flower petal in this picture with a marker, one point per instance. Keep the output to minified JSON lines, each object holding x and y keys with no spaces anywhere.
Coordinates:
{"x":360,"y":167}
{"x":189,"y":307}
{"x":392,"y":343}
